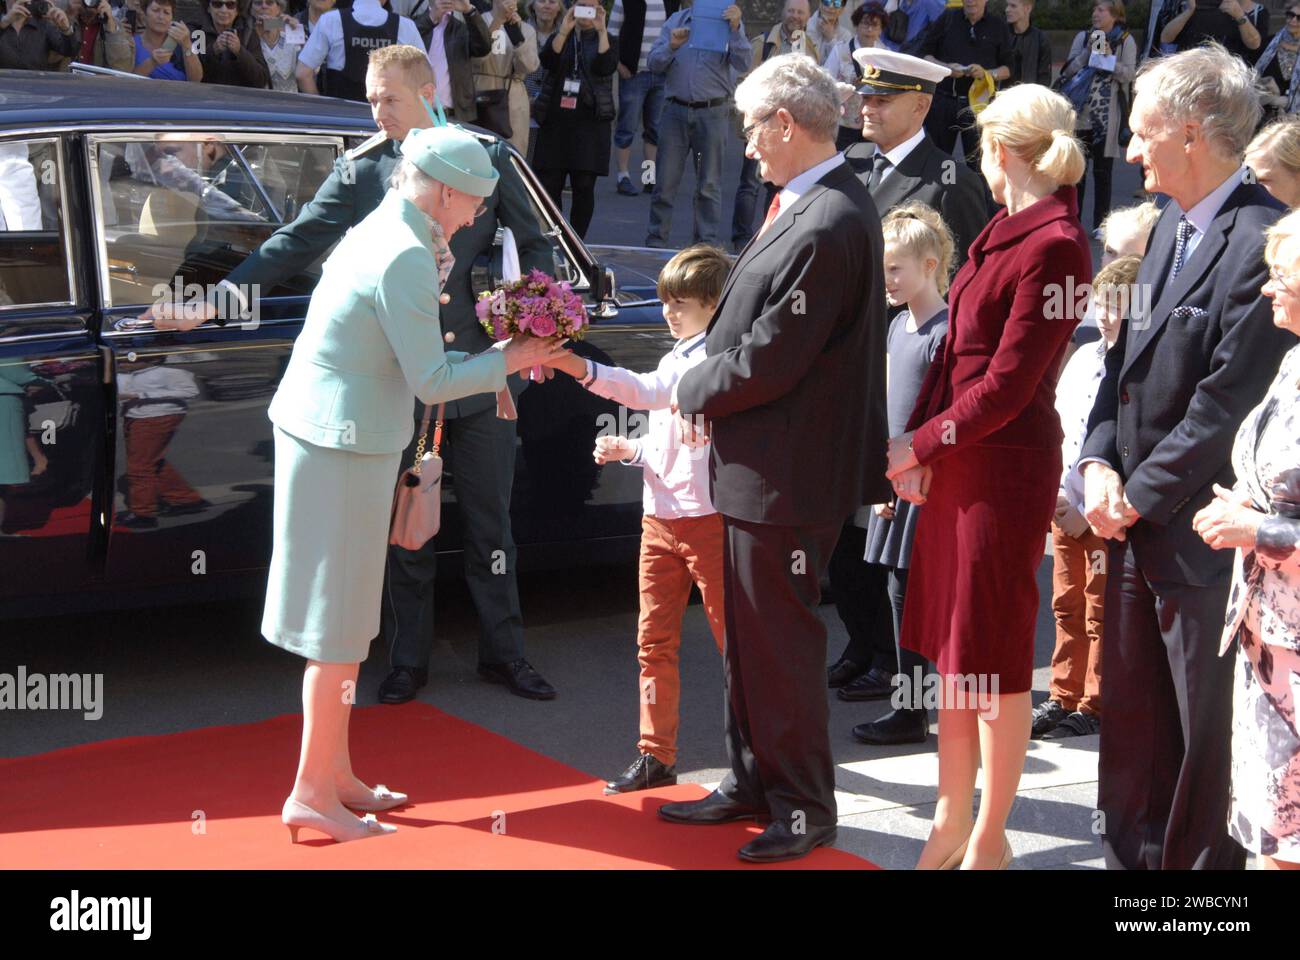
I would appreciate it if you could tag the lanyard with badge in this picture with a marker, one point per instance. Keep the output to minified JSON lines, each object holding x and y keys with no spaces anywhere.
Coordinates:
{"x":573,"y":82}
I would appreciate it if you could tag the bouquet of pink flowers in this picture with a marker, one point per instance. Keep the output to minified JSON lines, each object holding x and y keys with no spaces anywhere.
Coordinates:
{"x":536,"y":305}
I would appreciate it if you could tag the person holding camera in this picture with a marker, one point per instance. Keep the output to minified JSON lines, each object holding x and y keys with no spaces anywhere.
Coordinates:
{"x":280,"y":54}
{"x":104,"y":42}
{"x":575,"y":110}
{"x":1239,"y":26}
{"x":232,"y":53}
{"x":30,"y":31}
{"x":163,"y":50}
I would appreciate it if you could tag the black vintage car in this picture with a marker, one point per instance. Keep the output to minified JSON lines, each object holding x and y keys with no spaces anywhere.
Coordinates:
{"x":112,"y":187}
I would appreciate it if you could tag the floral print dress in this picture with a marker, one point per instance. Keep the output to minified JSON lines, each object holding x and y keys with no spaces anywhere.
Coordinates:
{"x":1263,"y":616}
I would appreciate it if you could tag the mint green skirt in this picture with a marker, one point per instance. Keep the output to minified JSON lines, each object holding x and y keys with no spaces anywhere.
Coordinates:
{"x":326,"y":582}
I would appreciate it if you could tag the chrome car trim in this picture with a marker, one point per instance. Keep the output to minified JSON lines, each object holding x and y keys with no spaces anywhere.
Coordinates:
{"x":57,"y":140}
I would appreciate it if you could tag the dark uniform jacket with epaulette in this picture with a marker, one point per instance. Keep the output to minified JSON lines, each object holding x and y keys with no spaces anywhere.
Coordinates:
{"x":352,"y":192}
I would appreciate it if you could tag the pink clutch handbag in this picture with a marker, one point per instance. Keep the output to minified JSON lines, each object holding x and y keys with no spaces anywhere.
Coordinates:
{"x":417,"y":503}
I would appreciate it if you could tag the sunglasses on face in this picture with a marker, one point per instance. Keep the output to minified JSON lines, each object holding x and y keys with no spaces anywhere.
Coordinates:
{"x":223,"y":4}
{"x":1292,"y":15}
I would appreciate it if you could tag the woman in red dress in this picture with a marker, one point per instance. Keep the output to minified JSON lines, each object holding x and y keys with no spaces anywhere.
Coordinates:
{"x":985,"y":458}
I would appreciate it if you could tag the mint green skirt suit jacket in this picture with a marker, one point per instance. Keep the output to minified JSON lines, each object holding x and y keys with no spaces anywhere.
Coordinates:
{"x":370,"y":345}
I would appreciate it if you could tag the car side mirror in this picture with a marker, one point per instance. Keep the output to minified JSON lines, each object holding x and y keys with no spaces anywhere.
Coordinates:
{"x":603,"y":291}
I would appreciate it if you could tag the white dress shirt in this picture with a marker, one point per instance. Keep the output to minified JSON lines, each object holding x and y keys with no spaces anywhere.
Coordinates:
{"x":1202,"y":213}
{"x":900,"y":152}
{"x":676,"y":476}
{"x":325,"y":45}
{"x":801,"y":184}
{"x":1076,"y":392}
{"x":437,"y":52}
{"x":160,"y":391}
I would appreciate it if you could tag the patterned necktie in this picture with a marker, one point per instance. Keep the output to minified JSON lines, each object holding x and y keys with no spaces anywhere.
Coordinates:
{"x":772,"y":210}
{"x":1180,"y":245}
{"x":879,"y":163}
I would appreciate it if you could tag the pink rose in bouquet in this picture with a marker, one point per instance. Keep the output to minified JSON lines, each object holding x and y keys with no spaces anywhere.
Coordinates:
{"x":535,"y":305}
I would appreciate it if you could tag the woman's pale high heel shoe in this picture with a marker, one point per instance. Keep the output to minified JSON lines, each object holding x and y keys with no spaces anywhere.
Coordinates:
{"x":297,"y":815}
{"x":381,"y":799}
{"x":1006,"y":855}
{"x":957,"y":856}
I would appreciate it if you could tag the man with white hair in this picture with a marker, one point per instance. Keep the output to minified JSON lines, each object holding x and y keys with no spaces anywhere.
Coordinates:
{"x":1196,"y":355}
{"x":795,"y":368}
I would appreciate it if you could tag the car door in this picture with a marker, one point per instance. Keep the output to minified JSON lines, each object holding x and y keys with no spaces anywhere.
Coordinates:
{"x":51,"y":388}
{"x":561,"y":496}
{"x":192,"y":463}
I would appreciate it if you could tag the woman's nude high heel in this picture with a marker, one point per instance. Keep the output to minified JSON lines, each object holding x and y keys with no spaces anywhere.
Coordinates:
{"x":297,"y":815}
{"x":956,"y":857}
{"x":381,"y":799}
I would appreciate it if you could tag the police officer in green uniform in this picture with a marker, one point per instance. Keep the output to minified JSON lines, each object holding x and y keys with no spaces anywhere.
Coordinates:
{"x":481,"y":447}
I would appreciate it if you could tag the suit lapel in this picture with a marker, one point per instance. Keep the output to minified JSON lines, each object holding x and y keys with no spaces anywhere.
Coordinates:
{"x":1198,"y":265}
{"x":1162,"y":239}
{"x":782,"y":223}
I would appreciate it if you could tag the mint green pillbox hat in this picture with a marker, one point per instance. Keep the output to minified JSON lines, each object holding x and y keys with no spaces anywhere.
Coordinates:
{"x":452,"y":156}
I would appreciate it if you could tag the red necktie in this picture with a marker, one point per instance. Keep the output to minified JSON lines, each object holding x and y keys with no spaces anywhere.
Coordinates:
{"x":773,"y":209}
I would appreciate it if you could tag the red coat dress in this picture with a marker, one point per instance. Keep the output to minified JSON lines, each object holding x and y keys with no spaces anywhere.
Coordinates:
{"x":988,"y":427}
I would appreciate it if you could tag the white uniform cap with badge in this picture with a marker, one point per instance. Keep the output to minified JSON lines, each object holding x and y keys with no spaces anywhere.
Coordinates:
{"x":452,"y":156}
{"x":886,"y":72}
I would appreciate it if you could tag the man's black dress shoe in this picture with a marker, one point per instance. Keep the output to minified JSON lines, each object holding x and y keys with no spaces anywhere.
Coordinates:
{"x":401,"y":685}
{"x":644,"y":773}
{"x":779,"y":842}
{"x":1045,"y":718}
{"x":843,"y":671}
{"x":876,"y":684}
{"x":897,"y":726}
{"x":715,"y":808}
{"x":520,"y":677}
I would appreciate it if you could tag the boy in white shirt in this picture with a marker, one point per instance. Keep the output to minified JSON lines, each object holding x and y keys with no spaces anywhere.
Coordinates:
{"x":1073,"y":707}
{"x":681,"y":533}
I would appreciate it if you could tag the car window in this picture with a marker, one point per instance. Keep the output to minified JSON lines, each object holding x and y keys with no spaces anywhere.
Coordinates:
{"x":34,"y":266}
{"x":184,"y":209}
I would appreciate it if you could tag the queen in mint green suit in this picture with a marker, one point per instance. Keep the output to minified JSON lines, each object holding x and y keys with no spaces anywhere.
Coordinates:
{"x":370,"y":345}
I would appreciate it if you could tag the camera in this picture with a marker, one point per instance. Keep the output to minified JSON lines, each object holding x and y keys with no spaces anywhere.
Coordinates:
{"x":584,"y":11}
{"x":38,"y":8}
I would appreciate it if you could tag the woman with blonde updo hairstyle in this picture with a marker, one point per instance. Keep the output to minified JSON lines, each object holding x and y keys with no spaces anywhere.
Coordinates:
{"x":983,"y":453}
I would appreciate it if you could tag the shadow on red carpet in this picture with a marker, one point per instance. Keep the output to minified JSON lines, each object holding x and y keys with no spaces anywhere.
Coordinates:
{"x":210,"y":799}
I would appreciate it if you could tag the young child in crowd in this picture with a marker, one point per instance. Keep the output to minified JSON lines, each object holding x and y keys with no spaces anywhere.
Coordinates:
{"x":681,"y":533}
{"x":1073,"y":707}
{"x":918,"y":262}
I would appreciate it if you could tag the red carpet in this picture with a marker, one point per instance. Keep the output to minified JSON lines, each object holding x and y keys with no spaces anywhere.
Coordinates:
{"x":478,"y":800}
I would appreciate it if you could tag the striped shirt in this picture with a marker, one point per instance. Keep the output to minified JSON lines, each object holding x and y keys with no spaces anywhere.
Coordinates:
{"x":655,"y":15}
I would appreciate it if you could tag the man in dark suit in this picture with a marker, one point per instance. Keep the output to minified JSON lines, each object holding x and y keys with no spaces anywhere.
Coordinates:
{"x":1196,"y":355}
{"x":899,"y":164}
{"x":484,"y":445}
{"x":793,"y":395}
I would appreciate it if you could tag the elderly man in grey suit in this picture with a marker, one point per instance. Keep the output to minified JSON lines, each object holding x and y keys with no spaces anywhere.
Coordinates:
{"x":793,"y":392}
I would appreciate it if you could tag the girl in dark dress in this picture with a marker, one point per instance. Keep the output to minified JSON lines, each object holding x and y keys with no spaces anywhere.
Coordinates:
{"x":574,"y":110}
{"x":918,"y":262}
